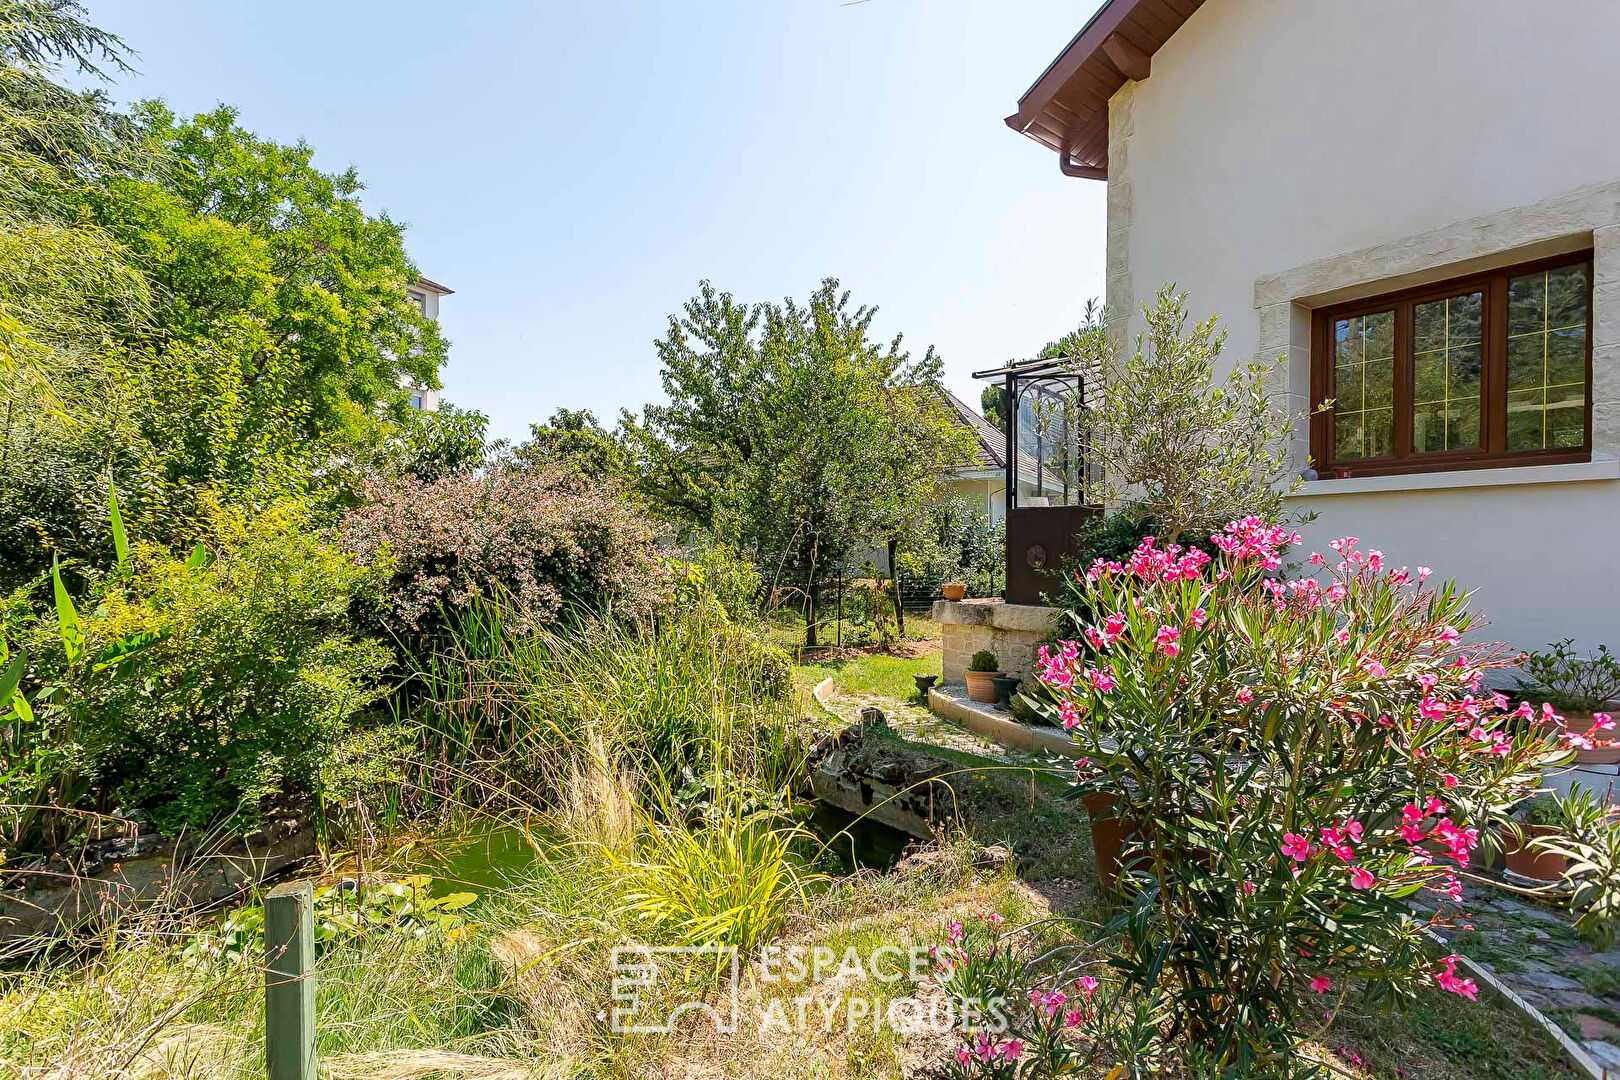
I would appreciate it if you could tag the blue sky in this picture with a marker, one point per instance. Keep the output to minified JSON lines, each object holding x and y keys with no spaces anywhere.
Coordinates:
{"x":573,"y":170}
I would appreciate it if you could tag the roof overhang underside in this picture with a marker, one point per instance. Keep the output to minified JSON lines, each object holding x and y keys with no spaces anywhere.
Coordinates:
{"x":1066,"y":109}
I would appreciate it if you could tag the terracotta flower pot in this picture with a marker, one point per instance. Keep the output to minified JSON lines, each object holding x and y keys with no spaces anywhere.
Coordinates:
{"x":980,"y":688}
{"x":954,"y":590}
{"x":1107,"y":836}
{"x":1532,"y":862}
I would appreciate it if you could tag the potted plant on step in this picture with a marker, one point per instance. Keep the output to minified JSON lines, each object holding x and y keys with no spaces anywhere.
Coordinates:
{"x":1577,"y":687}
{"x":954,"y":590}
{"x":981,"y":669}
{"x":1540,"y":817}
{"x":1005,"y":686}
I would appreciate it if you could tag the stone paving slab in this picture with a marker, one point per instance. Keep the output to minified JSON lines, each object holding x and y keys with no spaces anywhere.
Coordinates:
{"x":1533,"y":949}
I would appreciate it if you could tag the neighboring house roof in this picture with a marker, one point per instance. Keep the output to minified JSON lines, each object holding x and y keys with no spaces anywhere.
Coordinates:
{"x":1066,"y":109}
{"x":433,"y":286}
{"x":992,"y":449}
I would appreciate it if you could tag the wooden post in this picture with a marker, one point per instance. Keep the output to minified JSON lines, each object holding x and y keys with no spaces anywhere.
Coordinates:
{"x":289,"y":982}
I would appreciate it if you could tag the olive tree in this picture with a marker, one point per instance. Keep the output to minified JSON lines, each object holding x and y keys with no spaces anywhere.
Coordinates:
{"x":1174,"y":442}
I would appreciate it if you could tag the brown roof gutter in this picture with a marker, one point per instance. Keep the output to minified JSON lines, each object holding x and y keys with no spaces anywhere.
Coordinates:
{"x":1066,"y":108}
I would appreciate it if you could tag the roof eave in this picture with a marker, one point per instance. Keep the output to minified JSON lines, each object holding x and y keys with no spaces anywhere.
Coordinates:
{"x":433,"y":286}
{"x":1097,"y":61}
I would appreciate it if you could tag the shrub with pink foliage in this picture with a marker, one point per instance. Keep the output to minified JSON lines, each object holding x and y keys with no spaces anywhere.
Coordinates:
{"x":1295,"y":760}
{"x":538,"y":539}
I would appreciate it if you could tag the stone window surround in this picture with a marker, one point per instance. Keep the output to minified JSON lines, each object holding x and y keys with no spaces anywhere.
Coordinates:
{"x":1588,"y":217}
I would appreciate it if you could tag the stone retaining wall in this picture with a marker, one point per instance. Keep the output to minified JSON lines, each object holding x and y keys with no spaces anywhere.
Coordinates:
{"x":1011,"y":631}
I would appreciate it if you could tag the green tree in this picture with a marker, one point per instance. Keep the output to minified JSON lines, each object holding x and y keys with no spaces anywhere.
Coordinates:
{"x":444,"y":442}
{"x":235,"y":224}
{"x":573,"y":440}
{"x":196,"y":311}
{"x":1176,"y":444}
{"x":993,"y":405}
{"x":793,"y":435}
{"x":65,"y":284}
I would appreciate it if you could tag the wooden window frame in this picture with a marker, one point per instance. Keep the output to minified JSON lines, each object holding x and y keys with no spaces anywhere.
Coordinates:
{"x":1493,"y":452}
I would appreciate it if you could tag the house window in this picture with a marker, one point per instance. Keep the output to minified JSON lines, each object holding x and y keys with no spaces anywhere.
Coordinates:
{"x":1493,"y":369}
{"x":419,"y":299}
{"x":416,"y":401}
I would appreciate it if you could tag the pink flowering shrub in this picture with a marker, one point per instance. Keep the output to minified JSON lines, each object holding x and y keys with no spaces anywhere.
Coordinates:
{"x":1294,"y":759}
{"x":1027,"y":1012}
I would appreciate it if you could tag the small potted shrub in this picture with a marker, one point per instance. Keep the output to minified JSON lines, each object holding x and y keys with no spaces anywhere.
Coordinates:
{"x":983,"y":668}
{"x":1577,"y":687}
{"x":1540,"y":817}
{"x":954,"y":590}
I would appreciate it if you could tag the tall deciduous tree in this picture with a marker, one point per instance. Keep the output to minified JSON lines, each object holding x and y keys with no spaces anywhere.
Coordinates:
{"x":792,"y":434}
{"x":194,"y":310}
{"x":573,"y":441}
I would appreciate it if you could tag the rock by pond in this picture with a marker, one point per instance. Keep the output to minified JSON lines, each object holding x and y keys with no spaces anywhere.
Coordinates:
{"x":115,"y":877}
{"x":859,"y":771}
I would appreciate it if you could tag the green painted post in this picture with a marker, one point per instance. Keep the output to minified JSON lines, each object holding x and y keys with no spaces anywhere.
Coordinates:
{"x":289,"y":982}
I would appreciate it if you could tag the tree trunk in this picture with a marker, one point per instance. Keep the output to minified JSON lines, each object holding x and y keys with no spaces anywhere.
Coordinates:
{"x":810,"y":614}
{"x":894,"y":581}
{"x":840,"y":632}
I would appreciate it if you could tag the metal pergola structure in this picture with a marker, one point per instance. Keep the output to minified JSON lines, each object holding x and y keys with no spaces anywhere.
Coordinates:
{"x":1047,"y":469}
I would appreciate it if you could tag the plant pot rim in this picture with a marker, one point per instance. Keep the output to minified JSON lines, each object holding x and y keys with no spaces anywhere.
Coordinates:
{"x":1534,"y":830}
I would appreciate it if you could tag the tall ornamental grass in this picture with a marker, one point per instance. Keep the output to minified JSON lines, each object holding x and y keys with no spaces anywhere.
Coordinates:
{"x":667,"y":699}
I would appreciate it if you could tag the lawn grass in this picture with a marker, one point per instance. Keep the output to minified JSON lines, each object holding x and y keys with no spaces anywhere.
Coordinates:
{"x":877,"y":675}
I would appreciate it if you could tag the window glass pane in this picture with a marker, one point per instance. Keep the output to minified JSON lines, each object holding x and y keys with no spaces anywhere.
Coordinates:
{"x":1364,"y":386}
{"x":1546,"y":376}
{"x":1446,"y":373}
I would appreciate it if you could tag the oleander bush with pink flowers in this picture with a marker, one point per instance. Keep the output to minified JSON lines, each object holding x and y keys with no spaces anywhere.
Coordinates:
{"x":1028,"y":1008}
{"x":1294,"y":761}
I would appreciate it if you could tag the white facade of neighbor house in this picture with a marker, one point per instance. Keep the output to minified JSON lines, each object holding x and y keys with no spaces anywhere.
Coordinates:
{"x":1286,"y":155}
{"x":425,"y":295}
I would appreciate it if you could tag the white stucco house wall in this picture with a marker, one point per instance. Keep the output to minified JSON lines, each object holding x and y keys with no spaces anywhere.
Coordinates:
{"x":1416,"y":206}
{"x":982,"y":481}
{"x":425,"y":294}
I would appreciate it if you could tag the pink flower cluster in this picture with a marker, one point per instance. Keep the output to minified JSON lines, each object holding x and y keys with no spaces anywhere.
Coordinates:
{"x":1252,"y":538}
{"x":1059,"y":669}
{"x":1056,"y":668}
{"x":1457,"y":841}
{"x":1339,"y":839}
{"x":1151,"y":563}
{"x":987,"y":1050}
{"x":1587,"y":740}
{"x":1113,"y":627}
{"x":1448,"y":980}
{"x":1051,"y":1001}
